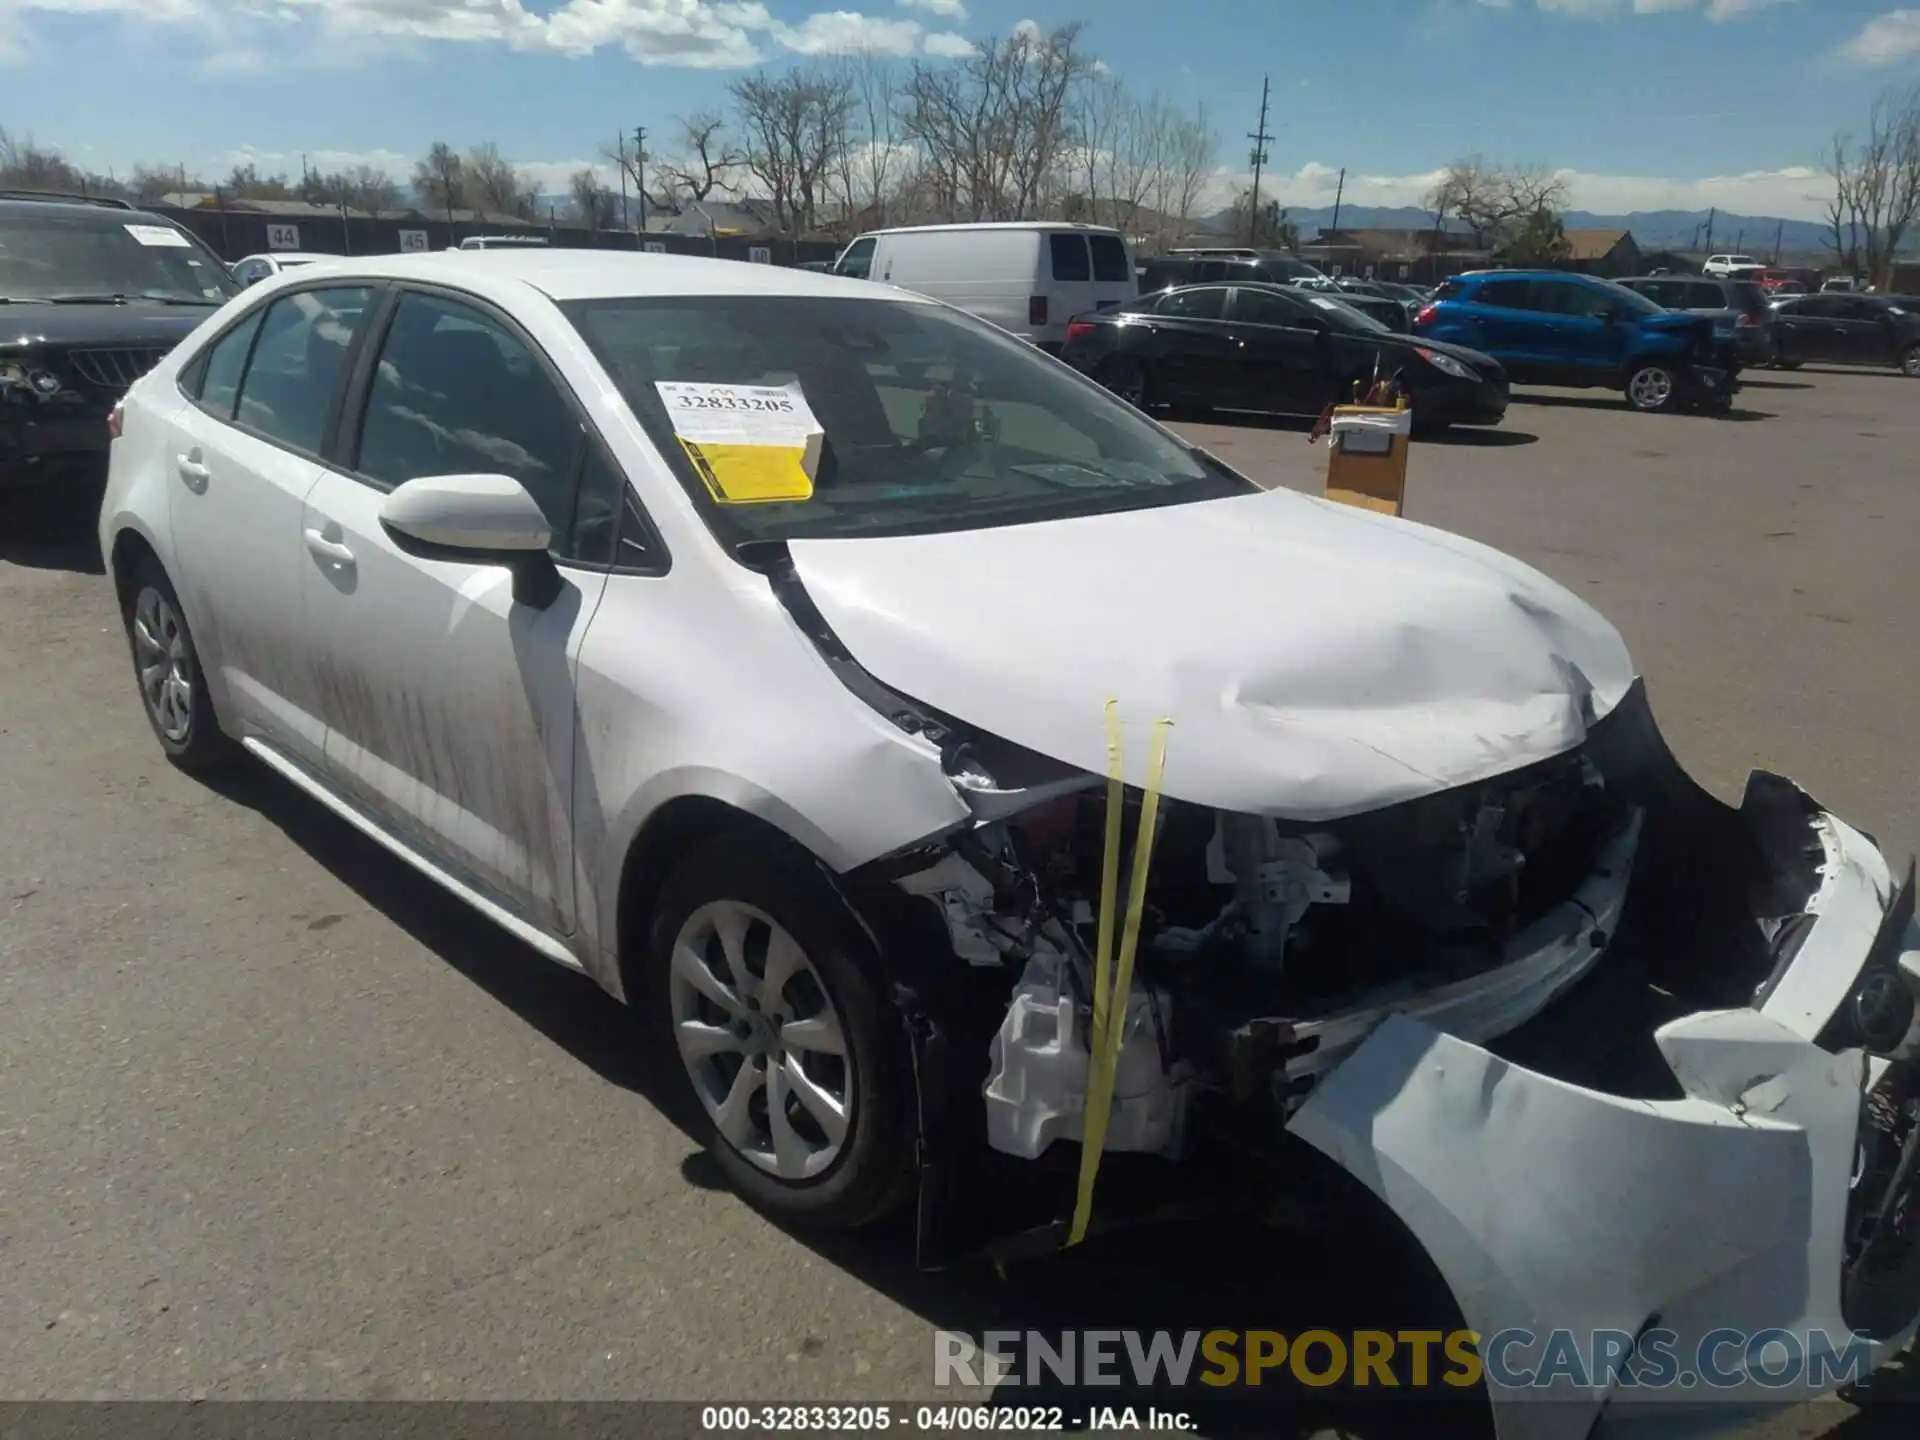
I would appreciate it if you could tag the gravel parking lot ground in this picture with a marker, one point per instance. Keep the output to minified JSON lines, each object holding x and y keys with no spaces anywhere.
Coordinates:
{"x":279,"y":1120}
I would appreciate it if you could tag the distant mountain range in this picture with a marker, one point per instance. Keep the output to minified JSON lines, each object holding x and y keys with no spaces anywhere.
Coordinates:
{"x":1653,"y":229}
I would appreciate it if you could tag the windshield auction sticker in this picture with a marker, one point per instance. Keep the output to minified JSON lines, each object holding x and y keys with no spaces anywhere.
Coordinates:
{"x":751,"y":443}
{"x":162,"y":235}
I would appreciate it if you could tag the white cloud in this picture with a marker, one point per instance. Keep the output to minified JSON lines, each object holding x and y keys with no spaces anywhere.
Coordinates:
{"x":847,"y":32}
{"x":248,"y":35}
{"x":947,"y":45}
{"x":1794,"y":192}
{"x":1028,"y":30}
{"x":1886,"y":39}
{"x":1716,"y":10}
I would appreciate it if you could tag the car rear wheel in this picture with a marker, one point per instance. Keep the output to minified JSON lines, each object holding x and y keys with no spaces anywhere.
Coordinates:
{"x":1127,"y":378}
{"x":1910,"y":362}
{"x":1780,"y":360}
{"x":173,"y":689}
{"x":1653,"y":387}
{"x":766,"y":993}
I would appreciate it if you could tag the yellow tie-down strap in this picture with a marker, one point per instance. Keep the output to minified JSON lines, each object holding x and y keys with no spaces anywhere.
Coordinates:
{"x":1110,"y":993}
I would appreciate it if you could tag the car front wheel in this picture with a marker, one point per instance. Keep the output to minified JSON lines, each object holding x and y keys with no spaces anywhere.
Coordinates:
{"x":1653,"y":387}
{"x":1127,"y":378}
{"x":1910,"y":362}
{"x":173,"y":689}
{"x":767,"y":993}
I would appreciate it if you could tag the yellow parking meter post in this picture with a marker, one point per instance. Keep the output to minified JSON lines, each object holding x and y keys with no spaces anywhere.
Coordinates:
{"x":1367,"y":456}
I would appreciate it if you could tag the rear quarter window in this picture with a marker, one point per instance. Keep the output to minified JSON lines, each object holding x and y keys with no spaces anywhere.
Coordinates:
{"x":1749,"y":296}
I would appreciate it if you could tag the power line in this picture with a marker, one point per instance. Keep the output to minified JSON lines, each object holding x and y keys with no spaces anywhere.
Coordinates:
{"x":1260,"y":138}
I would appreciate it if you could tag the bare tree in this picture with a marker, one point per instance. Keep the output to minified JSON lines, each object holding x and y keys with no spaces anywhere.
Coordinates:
{"x":1192,"y":160}
{"x":494,"y":185}
{"x":1497,"y":202}
{"x":441,"y":179}
{"x":593,"y":201}
{"x":147,"y":183}
{"x":871,"y":165}
{"x":709,"y":159}
{"x":245,"y":182}
{"x":1876,"y":187}
{"x":795,"y":132}
{"x":995,"y":129}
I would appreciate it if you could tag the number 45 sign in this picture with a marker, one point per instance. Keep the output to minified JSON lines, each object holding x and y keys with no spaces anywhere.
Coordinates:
{"x":283,"y":237}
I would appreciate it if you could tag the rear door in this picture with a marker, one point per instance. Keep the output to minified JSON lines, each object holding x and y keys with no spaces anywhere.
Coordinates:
{"x":1070,"y":289}
{"x":1809,"y":329}
{"x":1864,"y":331}
{"x":247,"y":454}
{"x":1114,"y":281}
{"x":1284,"y":355}
{"x":450,"y":704}
{"x":1510,"y":326}
{"x":1195,"y":358}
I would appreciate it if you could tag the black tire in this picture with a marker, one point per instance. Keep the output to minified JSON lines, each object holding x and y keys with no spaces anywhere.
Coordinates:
{"x":1127,"y":378}
{"x":1653,"y":387}
{"x":873,"y":1168}
{"x":195,"y":742}
{"x":1910,"y":363}
{"x":1781,"y":362}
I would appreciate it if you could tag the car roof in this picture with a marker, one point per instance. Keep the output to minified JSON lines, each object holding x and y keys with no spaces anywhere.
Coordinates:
{"x":606,"y":275}
{"x":1066,"y":225}
{"x":298,"y":256}
{"x":120,"y":213}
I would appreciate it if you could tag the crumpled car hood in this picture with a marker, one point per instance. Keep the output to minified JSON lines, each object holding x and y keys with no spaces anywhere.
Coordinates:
{"x":1316,"y":660}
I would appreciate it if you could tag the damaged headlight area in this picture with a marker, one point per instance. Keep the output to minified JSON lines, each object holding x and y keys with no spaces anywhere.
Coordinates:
{"x":1268,"y":949}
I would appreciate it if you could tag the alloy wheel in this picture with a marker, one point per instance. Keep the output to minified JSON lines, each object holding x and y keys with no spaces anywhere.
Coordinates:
{"x":761,"y":1040}
{"x":1651,"y":388}
{"x":164,"y":664}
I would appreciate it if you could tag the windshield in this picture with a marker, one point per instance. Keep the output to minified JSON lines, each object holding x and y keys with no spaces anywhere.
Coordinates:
{"x":932,"y":420}
{"x":1343,"y":316}
{"x":51,"y":256}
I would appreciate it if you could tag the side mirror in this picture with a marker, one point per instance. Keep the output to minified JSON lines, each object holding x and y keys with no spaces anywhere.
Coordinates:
{"x":478,"y":520}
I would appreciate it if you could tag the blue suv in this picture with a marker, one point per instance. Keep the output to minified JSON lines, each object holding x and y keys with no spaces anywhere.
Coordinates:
{"x":1551,"y":328}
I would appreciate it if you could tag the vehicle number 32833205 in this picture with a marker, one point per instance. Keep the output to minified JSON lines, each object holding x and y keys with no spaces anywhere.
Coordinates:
{"x":917,"y":1419}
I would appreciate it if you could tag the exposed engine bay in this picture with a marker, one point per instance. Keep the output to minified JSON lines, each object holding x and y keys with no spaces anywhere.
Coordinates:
{"x":1267,"y":949}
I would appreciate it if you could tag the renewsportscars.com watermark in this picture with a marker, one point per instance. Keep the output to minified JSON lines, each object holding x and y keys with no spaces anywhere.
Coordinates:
{"x":1414,"y":1359}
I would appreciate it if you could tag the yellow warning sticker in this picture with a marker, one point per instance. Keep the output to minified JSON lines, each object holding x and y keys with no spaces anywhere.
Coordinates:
{"x":751,"y":444}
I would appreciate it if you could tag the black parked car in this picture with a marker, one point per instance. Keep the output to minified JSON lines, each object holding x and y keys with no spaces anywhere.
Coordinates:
{"x":1848,"y":330}
{"x":1279,"y":350}
{"x":92,"y":294}
{"x":1740,"y":309}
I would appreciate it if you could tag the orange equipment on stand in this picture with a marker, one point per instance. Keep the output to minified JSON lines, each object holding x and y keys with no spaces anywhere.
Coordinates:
{"x":1367,"y":453}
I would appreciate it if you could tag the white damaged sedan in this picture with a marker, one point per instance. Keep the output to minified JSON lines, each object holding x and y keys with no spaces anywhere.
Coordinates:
{"x":789,"y":654}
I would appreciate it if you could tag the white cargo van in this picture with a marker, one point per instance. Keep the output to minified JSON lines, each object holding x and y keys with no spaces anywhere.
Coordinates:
{"x":1027,"y":276}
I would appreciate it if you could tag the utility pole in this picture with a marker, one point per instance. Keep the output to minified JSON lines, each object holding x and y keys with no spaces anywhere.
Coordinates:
{"x":620,"y":143}
{"x":1740,"y":241}
{"x":1713,"y":213}
{"x":1339,"y":194}
{"x":640,"y":171}
{"x":1779,"y":230}
{"x":1260,"y":137}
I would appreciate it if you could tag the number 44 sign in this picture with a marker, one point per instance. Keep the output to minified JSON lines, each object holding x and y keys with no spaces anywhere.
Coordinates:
{"x":283,"y":237}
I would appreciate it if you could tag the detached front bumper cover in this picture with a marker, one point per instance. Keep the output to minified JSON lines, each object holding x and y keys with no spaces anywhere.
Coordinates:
{"x":1548,"y":1207}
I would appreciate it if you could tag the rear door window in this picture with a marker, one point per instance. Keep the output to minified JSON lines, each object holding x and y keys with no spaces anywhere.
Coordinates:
{"x":1069,"y":254}
{"x":1749,"y":296}
{"x":1109,"y":258}
{"x":1507,"y":294}
{"x":1263,"y":307}
{"x":1208,"y":303}
{"x":297,"y":365}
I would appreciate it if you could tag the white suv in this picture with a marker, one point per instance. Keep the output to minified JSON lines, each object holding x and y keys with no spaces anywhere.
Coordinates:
{"x":1733,"y":267}
{"x":792,"y":655}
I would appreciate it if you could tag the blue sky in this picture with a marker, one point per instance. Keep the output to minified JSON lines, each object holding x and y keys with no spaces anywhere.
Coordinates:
{"x":1645,"y":103}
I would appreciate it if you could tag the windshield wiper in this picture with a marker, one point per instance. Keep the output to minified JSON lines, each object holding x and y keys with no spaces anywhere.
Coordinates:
{"x":105,"y":298}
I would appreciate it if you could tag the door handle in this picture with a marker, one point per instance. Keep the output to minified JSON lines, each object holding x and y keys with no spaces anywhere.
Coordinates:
{"x":195,"y":474}
{"x":332,"y":551}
